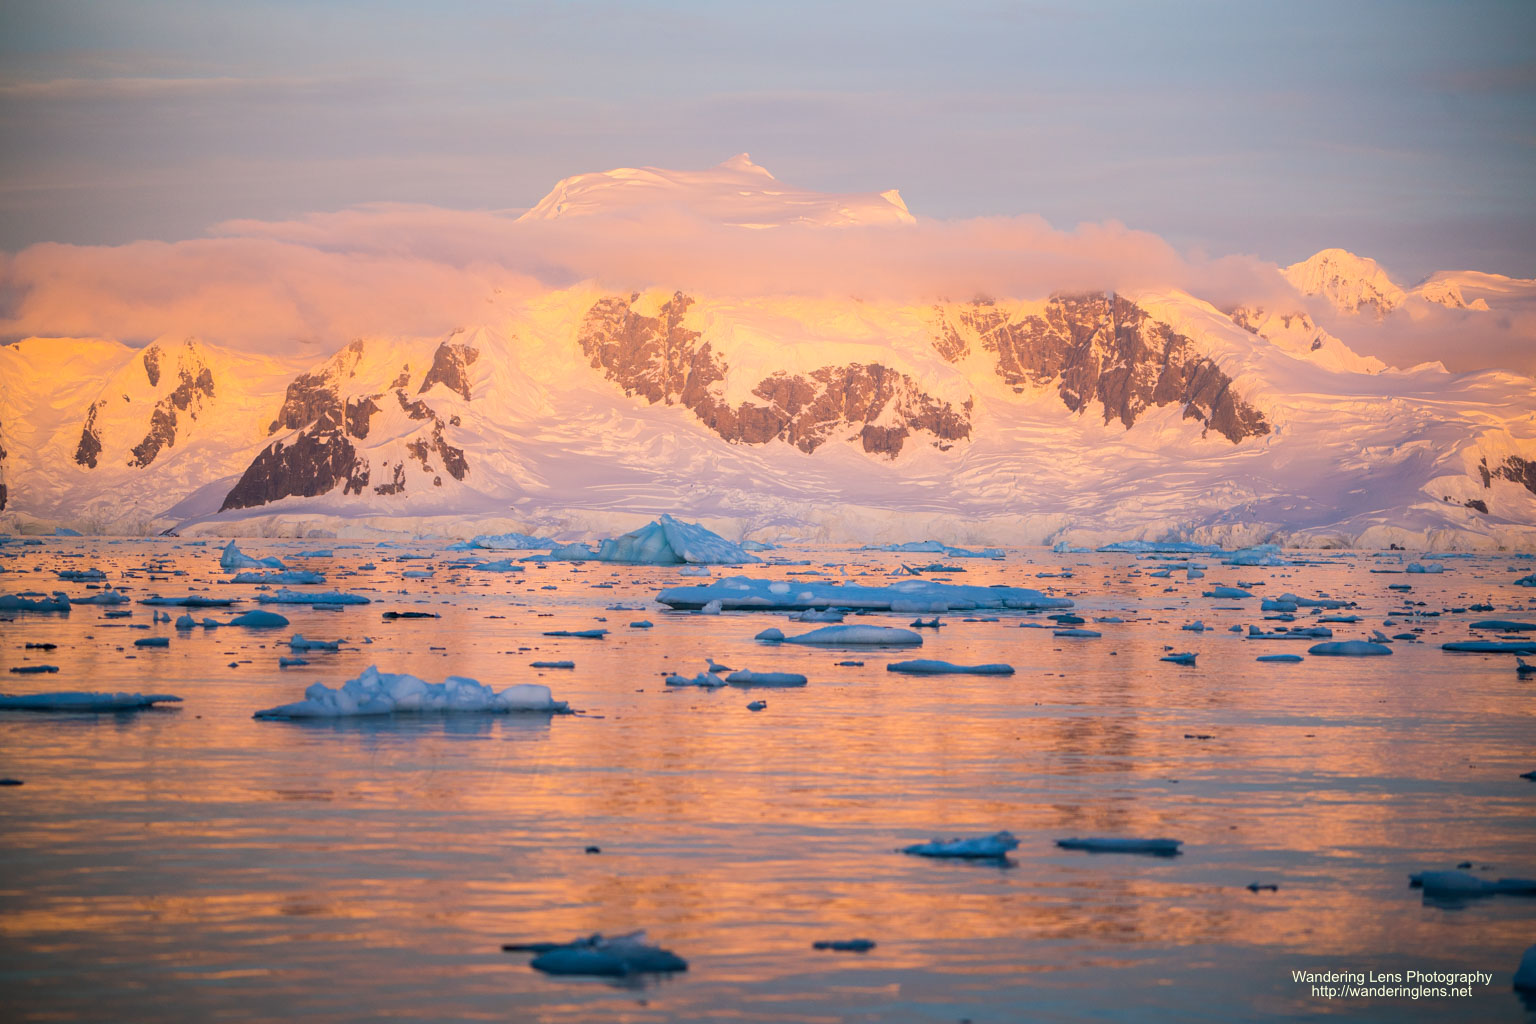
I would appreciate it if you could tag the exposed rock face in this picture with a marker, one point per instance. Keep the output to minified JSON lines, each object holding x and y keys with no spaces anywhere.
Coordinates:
{"x":315,"y":462}
{"x":1514,"y":469}
{"x":152,"y":365}
{"x":450,"y":367}
{"x":1105,"y":349}
{"x":195,"y":386}
{"x":323,"y":456}
{"x":89,"y":449}
{"x":4,"y":493}
{"x":661,"y":359}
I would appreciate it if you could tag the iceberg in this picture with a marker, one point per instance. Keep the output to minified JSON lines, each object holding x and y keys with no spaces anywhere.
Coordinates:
{"x":993,"y":847}
{"x":234,"y":558}
{"x":1491,"y":646}
{"x":663,"y":542}
{"x":384,"y":693}
{"x":81,"y":575}
{"x":298,"y":643}
{"x":78,"y":701}
{"x":933,"y":547}
{"x":928,"y":667}
{"x":503,"y":565}
{"x":1228,"y":593}
{"x":1463,"y":884}
{"x":190,"y":601}
{"x":707,"y":680}
{"x":1525,"y":974}
{"x":1280,"y":658}
{"x":1177,"y":547}
{"x":742,"y":593}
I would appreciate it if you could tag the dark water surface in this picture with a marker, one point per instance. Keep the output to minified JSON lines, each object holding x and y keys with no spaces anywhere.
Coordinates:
{"x":195,"y":865}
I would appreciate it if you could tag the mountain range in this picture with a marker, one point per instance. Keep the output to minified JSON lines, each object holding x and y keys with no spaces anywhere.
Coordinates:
{"x":1076,"y":416}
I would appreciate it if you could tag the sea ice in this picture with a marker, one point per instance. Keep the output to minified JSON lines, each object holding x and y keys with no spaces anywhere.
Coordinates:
{"x":745,"y":593}
{"x":323,"y":597}
{"x":105,"y":597}
{"x":664,"y":542}
{"x":22,"y":603}
{"x":616,"y":957}
{"x":746,"y":678}
{"x":292,"y":577}
{"x":857,"y":636}
{"x":993,"y":847}
{"x":1461,"y":884}
{"x":1227,"y":593}
{"x":384,"y":693}
{"x":708,"y":680}
{"x":77,"y":701}
{"x":1350,"y":649}
{"x":298,"y":643}
{"x":258,"y":618}
{"x":929,"y":667}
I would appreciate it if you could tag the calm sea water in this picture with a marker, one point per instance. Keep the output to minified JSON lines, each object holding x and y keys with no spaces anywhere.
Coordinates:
{"x":196,"y":865}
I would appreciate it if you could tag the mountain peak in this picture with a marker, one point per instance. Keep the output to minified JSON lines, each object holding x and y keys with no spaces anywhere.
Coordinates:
{"x":1350,"y":282}
{"x":737,"y":192}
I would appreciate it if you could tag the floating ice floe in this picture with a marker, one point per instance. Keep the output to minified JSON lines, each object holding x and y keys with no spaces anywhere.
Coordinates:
{"x":24,"y":603}
{"x":845,"y":945}
{"x":298,"y":643}
{"x":1526,"y":581}
{"x":584,"y":634}
{"x":384,"y":693}
{"x":1076,"y":633}
{"x":505,"y":542}
{"x":190,"y":601}
{"x":79,"y":701}
{"x":931,"y":667}
{"x":744,"y":593}
{"x":1262,"y":554}
{"x":1463,"y":884}
{"x":283,"y":662}
{"x":1433,"y":567}
{"x":747,"y":678}
{"x":1142,"y":547}
{"x":706,"y":680}
{"x":757,"y":705}
{"x":933,"y":547}
{"x":854,"y":636}
{"x":1504,"y":626}
{"x":993,"y":847}
{"x":1227,"y":593}
{"x":1280,"y":658}
{"x":258,"y":618}
{"x":323,"y":597}
{"x":82,"y":575}
{"x":234,"y":558}
{"x":1350,"y":649}
{"x":1180,"y":658}
{"x":1301,"y":633}
{"x":1152,"y":847}
{"x":1491,"y":646}
{"x":818,"y":615}
{"x":290,"y":577}
{"x":504,"y":565}
{"x":152,"y":641}
{"x":617,"y":957}
{"x":105,"y":597}
{"x":33,"y":670}
{"x":551,"y":664}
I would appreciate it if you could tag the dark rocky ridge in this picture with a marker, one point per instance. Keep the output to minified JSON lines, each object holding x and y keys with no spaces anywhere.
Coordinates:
{"x":311,"y":465}
{"x":1105,"y":349}
{"x":450,"y":367}
{"x":1514,"y":469}
{"x":4,"y":493}
{"x":152,"y":365}
{"x":195,"y":385}
{"x":89,"y":449}
{"x":659,"y":358}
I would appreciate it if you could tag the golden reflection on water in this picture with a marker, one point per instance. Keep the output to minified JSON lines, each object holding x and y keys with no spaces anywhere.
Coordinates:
{"x":243,"y":868}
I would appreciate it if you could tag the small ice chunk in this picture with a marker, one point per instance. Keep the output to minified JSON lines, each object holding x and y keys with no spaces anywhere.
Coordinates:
{"x":584,"y":634}
{"x":757,"y":705}
{"x":324,"y":597}
{"x":1279,"y":657}
{"x":384,"y":693}
{"x":993,"y":847}
{"x":618,"y":957}
{"x":153,"y":641}
{"x":849,"y":945}
{"x":1464,"y":884}
{"x":929,"y":667}
{"x":706,"y":680}
{"x":1153,"y":847}
{"x":1350,"y":649}
{"x":858,"y":636}
{"x":1180,"y":658}
{"x":1228,"y":593}
{"x":185,"y":622}
{"x":1084,"y":634}
{"x":772,"y":633}
{"x":551,"y":664}
{"x":746,"y":678}
{"x":258,"y":618}
{"x":298,"y":643}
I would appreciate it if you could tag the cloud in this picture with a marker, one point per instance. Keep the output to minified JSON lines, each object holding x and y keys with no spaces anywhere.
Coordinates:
{"x":310,"y":284}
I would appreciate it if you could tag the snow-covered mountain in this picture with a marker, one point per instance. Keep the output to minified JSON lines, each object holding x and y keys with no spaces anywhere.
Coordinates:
{"x":1071,"y":416}
{"x":1356,"y":284}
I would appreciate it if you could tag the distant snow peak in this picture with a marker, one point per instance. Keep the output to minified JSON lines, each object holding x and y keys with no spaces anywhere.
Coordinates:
{"x":738,"y":193}
{"x":1352,"y":283}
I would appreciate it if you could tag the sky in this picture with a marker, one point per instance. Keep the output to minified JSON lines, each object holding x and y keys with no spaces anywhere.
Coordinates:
{"x":1405,"y":131}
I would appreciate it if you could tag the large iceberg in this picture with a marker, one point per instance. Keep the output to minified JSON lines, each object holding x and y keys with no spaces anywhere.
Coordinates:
{"x":664,"y":542}
{"x":234,"y":558}
{"x":386,"y":693}
{"x":745,"y":593}
{"x":505,"y":542}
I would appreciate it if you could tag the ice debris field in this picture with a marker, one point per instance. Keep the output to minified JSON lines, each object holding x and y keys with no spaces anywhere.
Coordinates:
{"x":589,"y":640}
